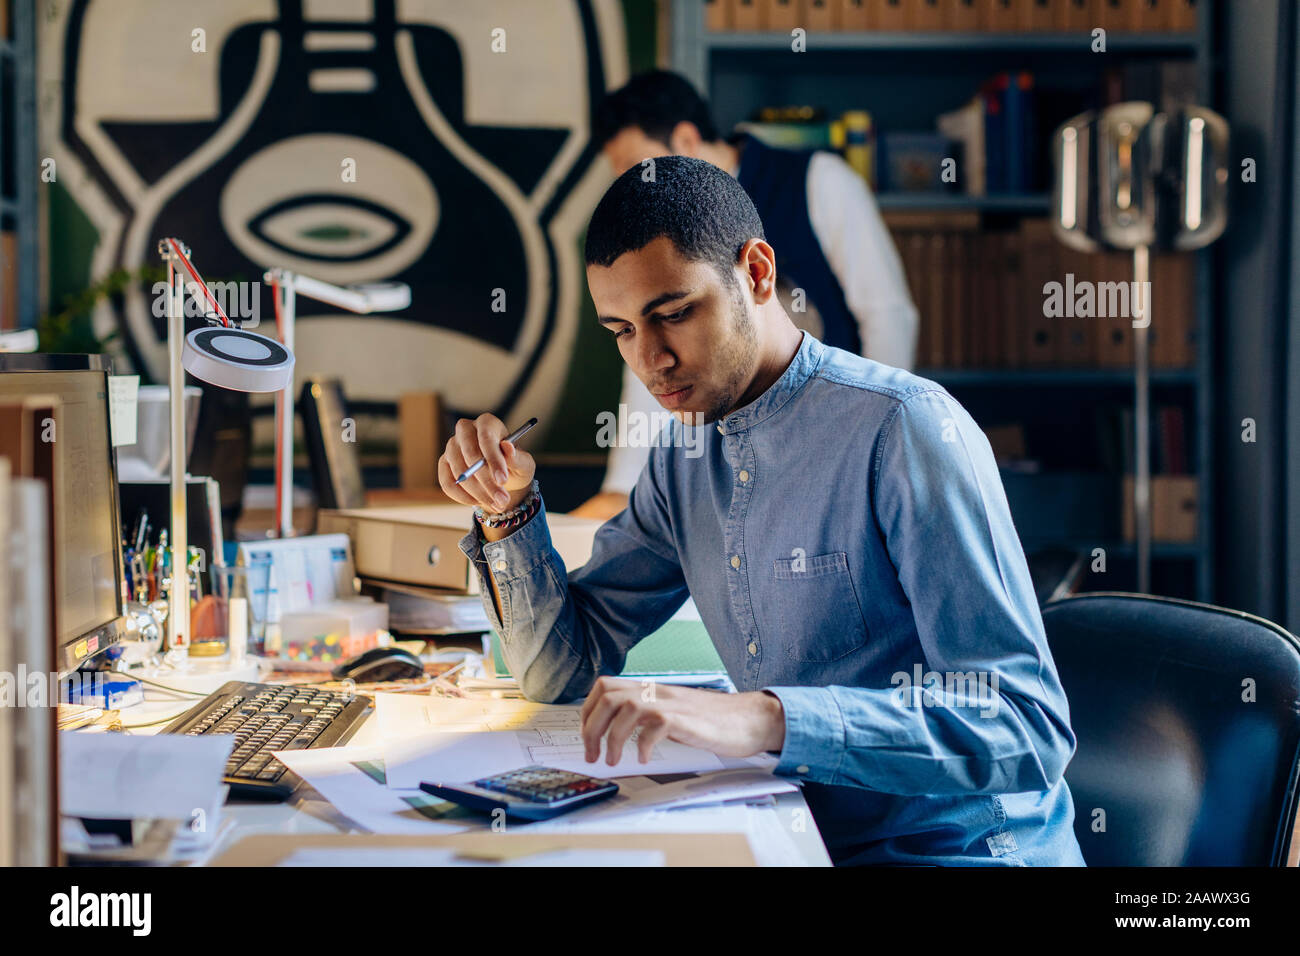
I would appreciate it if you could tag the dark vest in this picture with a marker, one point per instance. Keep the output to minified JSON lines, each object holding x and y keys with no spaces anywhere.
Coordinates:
{"x":777,"y":182}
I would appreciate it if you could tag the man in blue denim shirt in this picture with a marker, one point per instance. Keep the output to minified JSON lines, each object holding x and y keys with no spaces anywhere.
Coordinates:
{"x":839,"y":523}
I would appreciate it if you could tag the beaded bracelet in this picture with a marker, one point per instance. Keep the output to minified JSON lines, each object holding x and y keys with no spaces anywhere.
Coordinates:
{"x":509,"y":520}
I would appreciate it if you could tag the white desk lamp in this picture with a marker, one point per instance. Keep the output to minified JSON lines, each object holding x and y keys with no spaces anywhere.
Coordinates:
{"x":223,"y":355}
{"x":376,"y":297}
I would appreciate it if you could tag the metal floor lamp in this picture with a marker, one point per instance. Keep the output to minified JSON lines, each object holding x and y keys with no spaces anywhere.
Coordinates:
{"x":1132,"y":179}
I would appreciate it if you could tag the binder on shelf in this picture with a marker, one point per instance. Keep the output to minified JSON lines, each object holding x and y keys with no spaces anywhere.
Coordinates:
{"x":911,"y":246}
{"x":1173,"y":439}
{"x":819,"y":16}
{"x":993,"y":93}
{"x":1076,"y":15}
{"x":854,"y":15}
{"x":1021,"y":147}
{"x":781,"y":15}
{"x":999,"y":16}
{"x":1014,"y":298}
{"x":1075,"y":338}
{"x":1147,"y":16}
{"x":962,"y":15}
{"x":1180,"y":15}
{"x":744,"y":14}
{"x":926,"y":15}
{"x":990,"y":306}
{"x":1174,"y":508}
{"x":1173,"y":310}
{"x":1113,"y":15}
{"x":890,"y":14}
{"x":1114,"y":339}
{"x":958,"y":322}
{"x":1133,"y":16}
{"x":937,"y":298}
{"x":980,"y":325}
{"x":716,"y":15}
{"x":1041,"y":264}
{"x":1037,"y":15}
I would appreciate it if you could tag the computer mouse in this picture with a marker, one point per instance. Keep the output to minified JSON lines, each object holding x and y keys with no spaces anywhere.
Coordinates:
{"x":379,"y":664}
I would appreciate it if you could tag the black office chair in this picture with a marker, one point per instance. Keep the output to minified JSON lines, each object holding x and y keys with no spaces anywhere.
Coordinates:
{"x":1174,"y":767}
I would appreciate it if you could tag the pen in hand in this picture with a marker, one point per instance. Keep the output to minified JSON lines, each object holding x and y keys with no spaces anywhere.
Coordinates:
{"x":513,"y":437}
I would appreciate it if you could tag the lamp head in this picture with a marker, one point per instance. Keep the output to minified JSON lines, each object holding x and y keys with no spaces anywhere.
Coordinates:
{"x":385,"y":296}
{"x":237,"y":359}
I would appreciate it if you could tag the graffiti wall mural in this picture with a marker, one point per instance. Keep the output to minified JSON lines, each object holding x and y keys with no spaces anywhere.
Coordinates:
{"x":441,"y":143}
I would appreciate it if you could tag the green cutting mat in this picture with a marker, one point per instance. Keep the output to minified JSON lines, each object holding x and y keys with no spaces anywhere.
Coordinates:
{"x":679,"y":647}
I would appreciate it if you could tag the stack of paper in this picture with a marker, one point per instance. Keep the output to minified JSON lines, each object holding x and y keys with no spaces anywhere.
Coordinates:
{"x":457,"y":741}
{"x":429,"y":612}
{"x":150,"y":780}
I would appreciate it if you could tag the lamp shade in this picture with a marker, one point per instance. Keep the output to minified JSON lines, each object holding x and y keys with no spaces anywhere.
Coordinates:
{"x":237,"y":359}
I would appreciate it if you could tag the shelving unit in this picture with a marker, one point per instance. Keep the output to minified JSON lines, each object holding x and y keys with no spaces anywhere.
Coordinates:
{"x":951,"y":41}
{"x":905,"y":79}
{"x":1035,"y":203}
{"x":18,"y":169}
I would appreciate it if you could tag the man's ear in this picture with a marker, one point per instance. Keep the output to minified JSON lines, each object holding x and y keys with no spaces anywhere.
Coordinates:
{"x":758,"y":262}
{"x":685,"y":139}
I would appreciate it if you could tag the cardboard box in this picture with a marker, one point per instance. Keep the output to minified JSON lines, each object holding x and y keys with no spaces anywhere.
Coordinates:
{"x":419,"y":415}
{"x":1174,"y":508}
{"x":420,"y":545}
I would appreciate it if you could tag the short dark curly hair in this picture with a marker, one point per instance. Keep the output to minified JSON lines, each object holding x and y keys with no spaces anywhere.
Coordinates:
{"x":707,"y":214}
{"x":654,"y":103}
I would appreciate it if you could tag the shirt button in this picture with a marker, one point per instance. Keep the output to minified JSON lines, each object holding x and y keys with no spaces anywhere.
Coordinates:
{"x":500,"y":565}
{"x":753,"y":648}
{"x":735,"y":560}
{"x":743,"y":476}
{"x":801,"y":769}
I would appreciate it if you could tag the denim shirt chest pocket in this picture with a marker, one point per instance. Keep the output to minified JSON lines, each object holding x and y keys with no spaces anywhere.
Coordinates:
{"x":817,"y":607}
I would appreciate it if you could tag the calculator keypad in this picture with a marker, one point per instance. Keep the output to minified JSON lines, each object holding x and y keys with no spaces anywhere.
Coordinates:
{"x":542,"y":784}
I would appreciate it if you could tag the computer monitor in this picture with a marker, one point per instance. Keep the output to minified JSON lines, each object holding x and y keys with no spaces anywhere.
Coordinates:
{"x":79,"y":469}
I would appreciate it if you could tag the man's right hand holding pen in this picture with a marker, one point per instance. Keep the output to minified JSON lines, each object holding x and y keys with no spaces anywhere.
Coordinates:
{"x":500,"y":484}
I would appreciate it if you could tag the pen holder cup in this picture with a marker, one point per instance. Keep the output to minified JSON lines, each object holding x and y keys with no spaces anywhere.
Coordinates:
{"x":233,"y":615}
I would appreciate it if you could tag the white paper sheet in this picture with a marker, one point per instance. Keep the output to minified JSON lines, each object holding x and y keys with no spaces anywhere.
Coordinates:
{"x":347,"y":778}
{"x":462,"y":757}
{"x":122,"y":417}
{"x":125,"y":777}
{"x":637,"y":794}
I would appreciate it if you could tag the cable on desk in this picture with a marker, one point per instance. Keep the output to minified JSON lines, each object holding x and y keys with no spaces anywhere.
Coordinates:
{"x":147,"y":723}
{"x":154,"y":683}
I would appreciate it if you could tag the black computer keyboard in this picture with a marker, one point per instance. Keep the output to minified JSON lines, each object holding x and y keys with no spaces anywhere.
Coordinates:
{"x":265,"y":718}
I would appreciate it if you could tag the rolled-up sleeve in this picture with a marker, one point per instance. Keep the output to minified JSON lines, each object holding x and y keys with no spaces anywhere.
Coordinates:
{"x":988,"y":714}
{"x":561,"y":630}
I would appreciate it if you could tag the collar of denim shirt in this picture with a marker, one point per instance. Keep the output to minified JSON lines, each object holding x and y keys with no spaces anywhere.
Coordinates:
{"x":802,"y":367}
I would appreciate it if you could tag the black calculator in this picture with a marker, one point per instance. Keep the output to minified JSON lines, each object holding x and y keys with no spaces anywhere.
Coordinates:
{"x":530,"y":793}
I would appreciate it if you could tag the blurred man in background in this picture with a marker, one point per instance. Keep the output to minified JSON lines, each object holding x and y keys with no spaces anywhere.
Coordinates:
{"x":839,"y":275}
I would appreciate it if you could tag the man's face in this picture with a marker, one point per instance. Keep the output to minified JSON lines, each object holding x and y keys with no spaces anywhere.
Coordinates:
{"x":630,"y":147}
{"x":685,"y":330}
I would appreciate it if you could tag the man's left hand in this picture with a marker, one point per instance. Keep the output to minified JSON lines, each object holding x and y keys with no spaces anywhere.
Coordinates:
{"x":730,"y":725}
